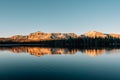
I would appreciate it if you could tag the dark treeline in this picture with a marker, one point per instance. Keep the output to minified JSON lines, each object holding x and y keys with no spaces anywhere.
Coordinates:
{"x":76,"y":42}
{"x":86,"y":42}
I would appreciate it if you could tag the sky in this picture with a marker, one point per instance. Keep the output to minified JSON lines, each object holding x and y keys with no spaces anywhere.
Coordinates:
{"x":21,"y":17}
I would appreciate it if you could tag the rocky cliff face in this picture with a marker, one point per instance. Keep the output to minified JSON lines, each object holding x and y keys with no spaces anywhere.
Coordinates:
{"x":39,"y":36}
{"x":95,"y":34}
{"x":44,"y":36}
{"x":115,"y":35}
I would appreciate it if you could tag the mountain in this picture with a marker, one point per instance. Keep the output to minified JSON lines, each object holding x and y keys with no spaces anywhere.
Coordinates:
{"x":37,"y":36}
{"x":115,"y":35}
{"x":95,"y":34}
{"x":88,"y":38}
{"x":55,"y":36}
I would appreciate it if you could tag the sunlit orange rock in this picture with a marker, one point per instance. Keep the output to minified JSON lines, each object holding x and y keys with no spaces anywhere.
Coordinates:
{"x":95,"y":34}
{"x":115,"y":35}
{"x":37,"y":36}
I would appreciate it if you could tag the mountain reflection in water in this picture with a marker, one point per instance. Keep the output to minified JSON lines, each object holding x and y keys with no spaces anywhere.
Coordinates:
{"x":40,"y":51}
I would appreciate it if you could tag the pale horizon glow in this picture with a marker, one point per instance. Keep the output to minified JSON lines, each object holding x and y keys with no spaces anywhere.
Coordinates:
{"x":21,"y":17}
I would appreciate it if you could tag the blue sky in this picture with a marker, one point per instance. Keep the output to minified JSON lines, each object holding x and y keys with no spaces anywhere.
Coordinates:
{"x":78,"y":16}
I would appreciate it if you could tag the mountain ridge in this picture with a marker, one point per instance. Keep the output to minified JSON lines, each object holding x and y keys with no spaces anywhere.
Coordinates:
{"x":41,"y":36}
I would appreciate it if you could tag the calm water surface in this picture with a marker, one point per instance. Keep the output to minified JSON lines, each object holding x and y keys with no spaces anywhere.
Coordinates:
{"x":36,"y":63}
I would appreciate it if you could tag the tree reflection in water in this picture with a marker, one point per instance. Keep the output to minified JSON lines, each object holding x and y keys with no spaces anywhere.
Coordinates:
{"x":40,"y":51}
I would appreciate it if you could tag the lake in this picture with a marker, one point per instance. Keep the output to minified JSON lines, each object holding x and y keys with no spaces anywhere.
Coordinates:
{"x":40,"y":63}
